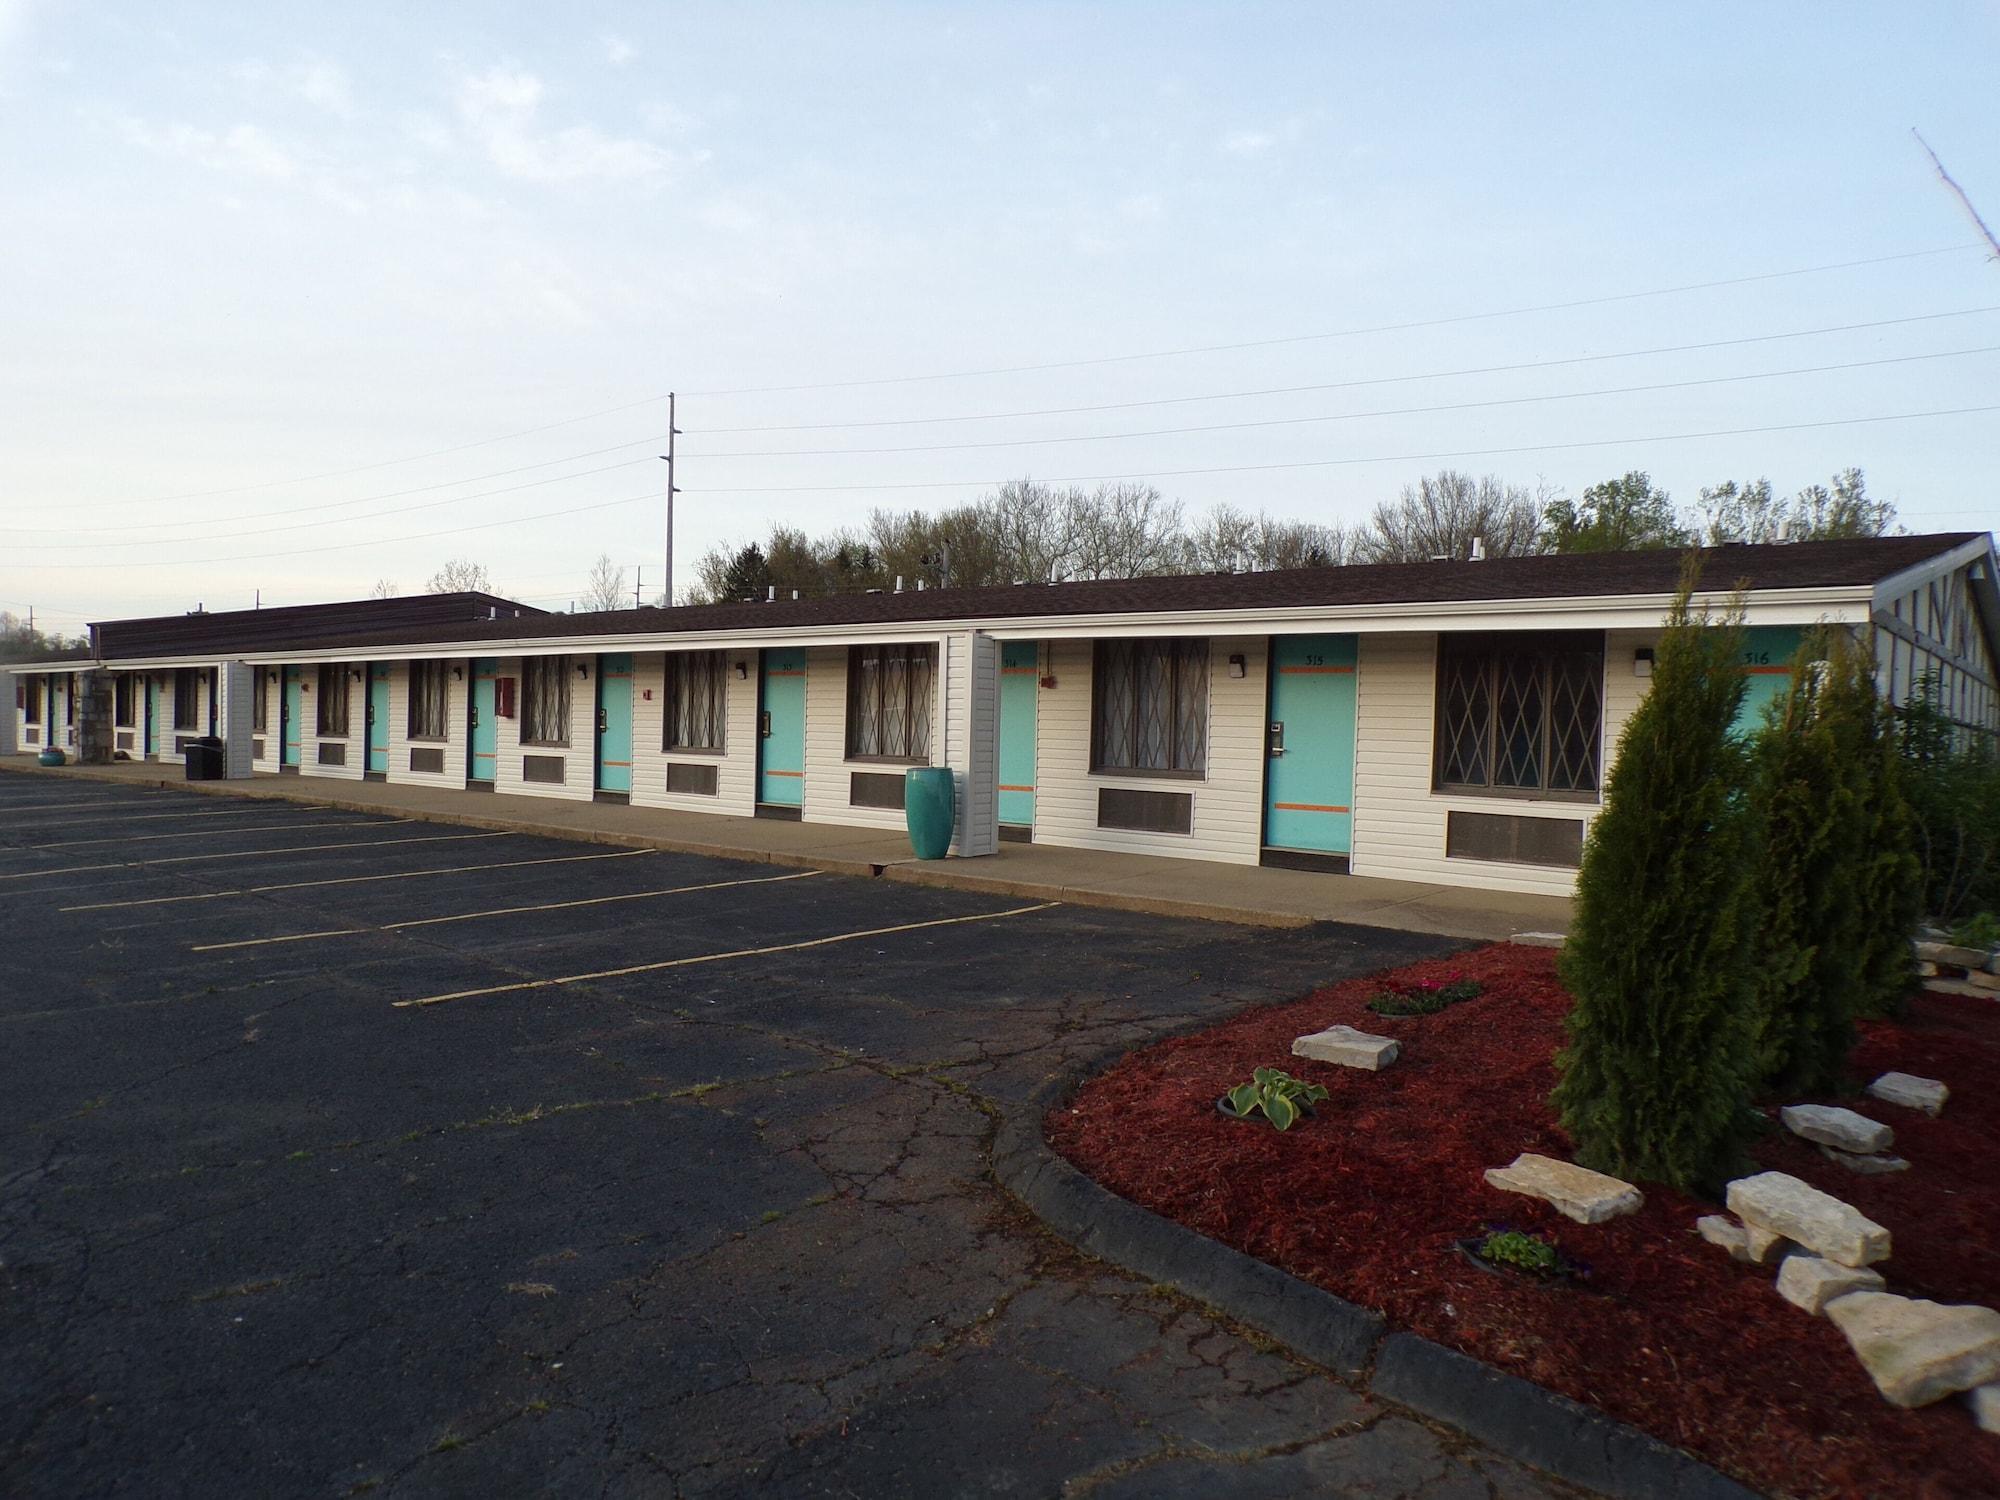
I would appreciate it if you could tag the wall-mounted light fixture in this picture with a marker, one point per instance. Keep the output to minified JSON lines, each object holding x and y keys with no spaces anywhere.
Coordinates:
{"x":458,"y":674}
{"x":354,"y":673}
{"x":1642,"y":662}
{"x":743,"y":671}
{"x":1238,"y":667}
{"x":271,"y":677}
{"x":583,"y":670}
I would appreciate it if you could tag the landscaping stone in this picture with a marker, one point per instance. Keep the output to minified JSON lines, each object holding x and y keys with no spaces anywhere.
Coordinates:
{"x":1951,"y":953}
{"x":1984,"y":979}
{"x":1918,"y":1352}
{"x":1927,"y":971}
{"x":1575,"y":1192}
{"x":1348,"y":1048}
{"x":1811,"y":1282}
{"x":1720,"y":1229}
{"x":1819,"y":1221}
{"x":1843,"y":1129}
{"x":1538,"y":939}
{"x":1907,"y":1089}
{"x":1963,"y":988}
{"x":1985,"y":1403}
{"x":1868,"y":1166}
{"x":1763,"y":1245}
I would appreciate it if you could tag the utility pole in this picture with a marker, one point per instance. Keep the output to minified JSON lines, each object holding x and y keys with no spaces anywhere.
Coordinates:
{"x":673,"y":431}
{"x":639,"y":586}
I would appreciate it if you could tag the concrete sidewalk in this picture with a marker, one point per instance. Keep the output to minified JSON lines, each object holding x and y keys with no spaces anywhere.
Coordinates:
{"x":1245,"y":894}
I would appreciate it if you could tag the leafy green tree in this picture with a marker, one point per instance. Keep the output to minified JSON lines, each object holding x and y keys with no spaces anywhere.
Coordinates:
{"x":1754,"y":512}
{"x":1656,"y":1077}
{"x":1951,"y":777}
{"x":1892,"y":876}
{"x":1619,"y":515}
{"x":748,"y":576}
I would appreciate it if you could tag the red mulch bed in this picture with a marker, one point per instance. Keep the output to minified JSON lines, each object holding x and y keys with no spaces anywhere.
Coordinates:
{"x":1667,"y":1333}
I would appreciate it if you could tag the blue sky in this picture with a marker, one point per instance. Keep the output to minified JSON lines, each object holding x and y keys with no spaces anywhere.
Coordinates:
{"x":250,"y":244}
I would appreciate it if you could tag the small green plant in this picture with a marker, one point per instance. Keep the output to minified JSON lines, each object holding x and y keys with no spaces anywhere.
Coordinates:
{"x":1521,"y":1251}
{"x":1426,"y":998}
{"x":1981,"y":931}
{"x":1280,"y":1097}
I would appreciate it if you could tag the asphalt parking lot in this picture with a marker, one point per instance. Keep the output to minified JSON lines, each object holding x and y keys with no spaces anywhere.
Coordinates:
{"x":349,"y":1155}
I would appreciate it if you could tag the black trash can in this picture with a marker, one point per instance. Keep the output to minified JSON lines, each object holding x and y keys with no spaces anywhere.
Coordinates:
{"x":204,"y":759}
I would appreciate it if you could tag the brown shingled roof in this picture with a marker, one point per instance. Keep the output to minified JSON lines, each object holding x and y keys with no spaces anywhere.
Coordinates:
{"x":1859,"y":562}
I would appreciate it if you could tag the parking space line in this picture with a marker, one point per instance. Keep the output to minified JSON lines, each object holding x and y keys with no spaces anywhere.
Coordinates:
{"x":196,"y":833}
{"x":300,"y":885}
{"x":184,"y":859}
{"x":502,"y":911}
{"x":219,"y":812}
{"x":713,"y":958}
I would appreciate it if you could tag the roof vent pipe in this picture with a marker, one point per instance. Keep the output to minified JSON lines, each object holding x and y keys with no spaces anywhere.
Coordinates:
{"x":1479,"y":549}
{"x":795,"y":594}
{"x":899,"y":583}
{"x":772,"y":596}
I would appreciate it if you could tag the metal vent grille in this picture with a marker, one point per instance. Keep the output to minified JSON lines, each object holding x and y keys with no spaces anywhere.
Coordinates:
{"x":543,"y":768}
{"x":690,"y":779}
{"x":1513,"y":839}
{"x":1145,"y":812}
{"x":426,"y":758}
{"x":333,"y":755}
{"x":874,"y":789}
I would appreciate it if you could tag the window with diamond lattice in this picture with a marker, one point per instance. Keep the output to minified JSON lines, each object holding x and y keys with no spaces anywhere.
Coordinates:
{"x":1150,"y":707}
{"x":1520,"y":715}
{"x":695,"y":694}
{"x":889,"y":703}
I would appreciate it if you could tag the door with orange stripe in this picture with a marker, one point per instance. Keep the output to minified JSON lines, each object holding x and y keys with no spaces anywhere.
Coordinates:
{"x":1309,"y":745}
{"x":614,"y":722}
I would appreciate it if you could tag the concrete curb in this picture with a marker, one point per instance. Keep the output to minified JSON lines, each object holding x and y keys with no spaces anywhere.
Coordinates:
{"x":1513,"y":1416}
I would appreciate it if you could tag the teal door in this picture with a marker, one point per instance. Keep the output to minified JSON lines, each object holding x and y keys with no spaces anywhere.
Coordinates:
{"x":1309,"y":780}
{"x":378,"y":716}
{"x":1767,"y":667}
{"x":1020,"y":675}
{"x":614,"y":722}
{"x":294,"y":713}
{"x":152,"y":691}
{"x":781,"y":725}
{"x":485,"y":729}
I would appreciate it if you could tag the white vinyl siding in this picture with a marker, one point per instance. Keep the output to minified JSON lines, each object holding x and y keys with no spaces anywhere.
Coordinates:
{"x":1399,"y":821}
{"x":456,"y":714}
{"x":578,"y":757}
{"x":735,"y":767}
{"x":310,"y":737}
{"x":827,"y":768}
{"x":1228,"y":797}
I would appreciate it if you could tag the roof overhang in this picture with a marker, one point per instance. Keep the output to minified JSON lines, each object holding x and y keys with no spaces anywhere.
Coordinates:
{"x":1843,"y":604}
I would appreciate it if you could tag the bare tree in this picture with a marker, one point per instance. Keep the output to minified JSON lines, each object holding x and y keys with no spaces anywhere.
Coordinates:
{"x":1228,"y":540}
{"x":606,"y":586}
{"x":460,"y":576}
{"x":1441,"y":513}
{"x":1126,"y":531}
{"x":1732,"y":512}
{"x":385,"y":588}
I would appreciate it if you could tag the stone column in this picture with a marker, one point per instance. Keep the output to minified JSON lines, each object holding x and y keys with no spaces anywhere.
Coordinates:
{"x":237,"y":682}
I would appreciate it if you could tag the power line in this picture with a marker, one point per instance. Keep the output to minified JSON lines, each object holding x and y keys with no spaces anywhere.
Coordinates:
{"x":1343,"y":385}
{"x":1340,"y":333}
{"x":1402,"y":411}
{"x":1325,"y":463}
{"x":394,"y":510}
{"x":1092,"y":437}
{"x":1072,"y":364}
{"x":1670,"y":437}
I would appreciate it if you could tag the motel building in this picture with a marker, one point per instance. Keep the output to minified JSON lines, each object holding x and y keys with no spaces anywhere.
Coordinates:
{"x":1444,"y":722}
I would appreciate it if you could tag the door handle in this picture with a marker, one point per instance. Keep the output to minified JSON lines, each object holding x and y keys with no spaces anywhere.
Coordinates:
{"x":1274,"y":739}
{"x":475,"y":716}
{"x":602,"y":722}
{"x":764,"y":724}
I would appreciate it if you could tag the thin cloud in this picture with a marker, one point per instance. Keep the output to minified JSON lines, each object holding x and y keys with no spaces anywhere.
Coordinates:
{"x":243,"y":149}
{"x":500,"y":109}
{"x":323,"y":85}
{"x":618,"y":51}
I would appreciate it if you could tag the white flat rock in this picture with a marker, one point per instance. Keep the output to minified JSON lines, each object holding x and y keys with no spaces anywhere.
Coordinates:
{"x":1348,"y":1048}
{"x":1951,"y":953}
{"x":1843,"y":1129}
{"x":1810,"y":1282}
{"x":1867,"y":1166}
{"x":1985,"y":1403}
{"x":1918,"y":1352}
{"x":1907,"y":1089}
{"x":1538,"y":939}
{"x":1575,"y":1192}
{"x":1819,"y":1221}
{"x":1720,"y":1229}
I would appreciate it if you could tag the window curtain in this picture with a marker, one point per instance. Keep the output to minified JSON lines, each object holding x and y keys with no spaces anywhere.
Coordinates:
{"x":545,"y":700}
{"x":696,"y":684}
